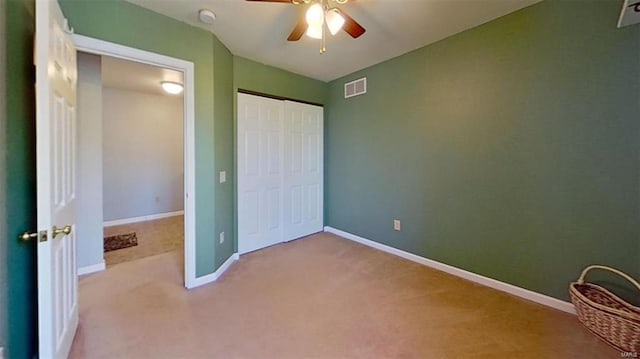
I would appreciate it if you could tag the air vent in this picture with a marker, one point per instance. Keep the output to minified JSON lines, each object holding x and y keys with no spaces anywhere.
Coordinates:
{"x":355,"y":88}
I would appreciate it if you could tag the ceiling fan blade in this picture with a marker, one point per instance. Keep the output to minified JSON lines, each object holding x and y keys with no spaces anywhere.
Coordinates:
{"x":299,"y":30}
{"x":285,"y":1}
{"x":351,"y":26}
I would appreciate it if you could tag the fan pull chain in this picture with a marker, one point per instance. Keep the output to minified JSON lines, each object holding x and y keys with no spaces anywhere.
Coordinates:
{"x":323,"y":47}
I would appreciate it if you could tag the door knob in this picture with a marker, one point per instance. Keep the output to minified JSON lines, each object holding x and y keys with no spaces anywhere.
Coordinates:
{"x":55,"y":231}
{"x":27,"y":236}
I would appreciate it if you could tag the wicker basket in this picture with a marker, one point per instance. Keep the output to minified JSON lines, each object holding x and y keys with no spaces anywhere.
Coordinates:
{"x":605,"y":314}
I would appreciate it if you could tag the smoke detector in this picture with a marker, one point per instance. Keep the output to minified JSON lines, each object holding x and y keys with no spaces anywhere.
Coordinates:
{"x":206,"y":16}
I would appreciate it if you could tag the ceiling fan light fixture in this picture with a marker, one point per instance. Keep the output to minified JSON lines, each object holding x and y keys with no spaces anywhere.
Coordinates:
{"x":315,"y":32}
{"x":173,"y":88}
{"x":315,"y":15}
{"x":335,"y":20}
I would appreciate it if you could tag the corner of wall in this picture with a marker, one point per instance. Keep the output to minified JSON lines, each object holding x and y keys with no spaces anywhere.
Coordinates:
{"x":90,"y":189}
{"x":224,"y":151}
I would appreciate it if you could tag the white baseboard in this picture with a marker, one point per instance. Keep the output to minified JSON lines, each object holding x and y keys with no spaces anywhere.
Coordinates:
{"x":473,"y":277}
{"x":206,"y":279}
{"x":150,"y":217}
{"x":92,"y":268}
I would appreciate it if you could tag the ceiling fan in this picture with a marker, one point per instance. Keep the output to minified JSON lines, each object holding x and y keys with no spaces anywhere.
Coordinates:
{"x":319,"y":14}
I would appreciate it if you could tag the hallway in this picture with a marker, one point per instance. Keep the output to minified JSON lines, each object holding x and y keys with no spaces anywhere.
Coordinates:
{"x":154,"y":237}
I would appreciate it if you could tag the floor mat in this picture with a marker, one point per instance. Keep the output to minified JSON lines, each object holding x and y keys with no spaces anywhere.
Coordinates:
{"x":120,"y":241}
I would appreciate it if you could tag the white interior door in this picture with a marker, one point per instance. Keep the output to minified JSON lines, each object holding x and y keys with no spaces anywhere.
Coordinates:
{"x":56,"y":78}
{"x":260,"y":144}
{"x":303,"y":185}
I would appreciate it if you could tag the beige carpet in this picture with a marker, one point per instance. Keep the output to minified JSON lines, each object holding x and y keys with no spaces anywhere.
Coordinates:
{"x":318,"y":297}
{"x":154,"y":237}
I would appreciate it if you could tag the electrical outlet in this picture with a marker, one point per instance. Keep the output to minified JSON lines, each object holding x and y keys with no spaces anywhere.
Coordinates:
{"x":157,"y":199}
{"x":396,"y":225}
{"x":221,"y":237}
{"x":223,"y":176}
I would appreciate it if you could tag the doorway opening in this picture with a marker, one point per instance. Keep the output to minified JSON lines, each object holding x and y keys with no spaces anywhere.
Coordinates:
{"x":136,"y":167}
{"x":142,"y":159}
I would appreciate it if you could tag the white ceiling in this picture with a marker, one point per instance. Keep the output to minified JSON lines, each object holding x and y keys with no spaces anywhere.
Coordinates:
{"x":258,"y":31}
{"x":136,"y":76}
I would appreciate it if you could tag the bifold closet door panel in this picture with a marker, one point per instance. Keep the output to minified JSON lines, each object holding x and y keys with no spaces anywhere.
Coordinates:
{"x":260,"y":172}
{"x":303,"y":181}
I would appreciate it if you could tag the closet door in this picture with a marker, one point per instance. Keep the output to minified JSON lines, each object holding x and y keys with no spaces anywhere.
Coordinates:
{"x":260,"y":144}
{"x":303,"y":170}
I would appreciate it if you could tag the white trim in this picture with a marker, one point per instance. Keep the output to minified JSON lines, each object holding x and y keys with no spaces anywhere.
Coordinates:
{"x":473,"y":277}
{"x":151,"y":217}
{"x":206,"y":279}
{"x":92,"y":268}
{"x":100,"y":47}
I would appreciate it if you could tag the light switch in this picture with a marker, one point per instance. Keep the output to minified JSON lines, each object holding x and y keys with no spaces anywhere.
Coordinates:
{"x":223,"y":176}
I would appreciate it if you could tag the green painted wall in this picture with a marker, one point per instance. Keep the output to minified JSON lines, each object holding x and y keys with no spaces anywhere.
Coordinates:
{"x":254,"y":76}
{"x":223,"y":90}
{"x":510,"y":150}
{"x":3,"y":176}
{"x":20,"y":179}
{"x":124,"y":23}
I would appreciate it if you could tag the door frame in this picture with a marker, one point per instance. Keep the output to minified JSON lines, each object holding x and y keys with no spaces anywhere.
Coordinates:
{"x":100,"y":47}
